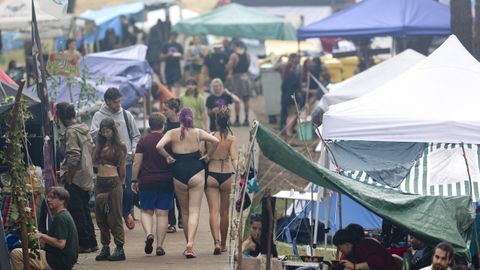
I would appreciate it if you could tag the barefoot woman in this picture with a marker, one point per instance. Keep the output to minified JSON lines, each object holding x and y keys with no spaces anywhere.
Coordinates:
{"x":221,"y":171}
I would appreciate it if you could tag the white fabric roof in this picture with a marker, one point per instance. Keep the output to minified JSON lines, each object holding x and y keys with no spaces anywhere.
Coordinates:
{"x":371,"y":78}
{"x":435,"y":101}
{"x":16,"y":15}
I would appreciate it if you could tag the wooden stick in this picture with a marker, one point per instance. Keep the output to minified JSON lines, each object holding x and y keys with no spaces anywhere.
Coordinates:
{"x":242,"y":193}
{"x":475,"y":228}
{"x":270,"y":230}
{"x":20,"y":204}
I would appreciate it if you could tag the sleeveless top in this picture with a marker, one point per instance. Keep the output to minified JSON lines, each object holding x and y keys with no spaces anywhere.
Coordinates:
{"x":242,"y":64}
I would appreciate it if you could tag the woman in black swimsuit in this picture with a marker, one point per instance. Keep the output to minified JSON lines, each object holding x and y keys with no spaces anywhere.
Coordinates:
{"x":188,"y":171}
{"x":221,"y":171}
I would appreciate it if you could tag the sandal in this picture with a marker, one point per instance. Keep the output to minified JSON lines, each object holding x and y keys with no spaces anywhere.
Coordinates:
{"x":171,"y":229}
{"x":148,"y":244}
{"x":160,"y":251}
{"x":189,"y":254}
{"x":217,"y":250}
{"x":223,"y":248}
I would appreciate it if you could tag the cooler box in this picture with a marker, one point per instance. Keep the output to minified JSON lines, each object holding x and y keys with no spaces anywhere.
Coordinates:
{"x":350,"y":66}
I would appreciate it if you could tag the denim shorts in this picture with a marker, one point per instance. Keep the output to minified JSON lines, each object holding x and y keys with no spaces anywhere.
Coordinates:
{"x":150,"y":200}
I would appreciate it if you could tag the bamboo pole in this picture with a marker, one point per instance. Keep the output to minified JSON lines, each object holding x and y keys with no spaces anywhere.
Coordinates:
{"x":270,"y":230}
{"x":242,"y":193}
{"x":475,"y":228}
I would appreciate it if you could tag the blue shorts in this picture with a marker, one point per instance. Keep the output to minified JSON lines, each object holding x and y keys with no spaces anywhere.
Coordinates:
{"x":150,"y":200}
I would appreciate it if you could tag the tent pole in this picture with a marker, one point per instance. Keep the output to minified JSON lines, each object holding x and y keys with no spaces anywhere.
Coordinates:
{"x":253,"y":133}
{"x":475,"y":228}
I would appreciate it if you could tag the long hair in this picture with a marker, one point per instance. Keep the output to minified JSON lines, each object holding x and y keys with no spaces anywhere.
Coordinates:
{"x":173,"y":104}
{"x":186,"y":121}
{"x":192,"y":82}
{"x":117,"y":144}
{"x":223,"y":122}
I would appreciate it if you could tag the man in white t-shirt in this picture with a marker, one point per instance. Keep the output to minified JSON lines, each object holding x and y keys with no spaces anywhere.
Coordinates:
{"x":442,"y":257}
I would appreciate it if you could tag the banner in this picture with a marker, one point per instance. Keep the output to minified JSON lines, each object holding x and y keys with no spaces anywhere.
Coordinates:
{"x":63,"y":64}
{"x":56,"y":8}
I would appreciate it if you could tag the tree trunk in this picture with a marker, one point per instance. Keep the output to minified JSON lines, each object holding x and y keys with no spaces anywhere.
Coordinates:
{"x":461,"y":22}
{"x":476,"y":31}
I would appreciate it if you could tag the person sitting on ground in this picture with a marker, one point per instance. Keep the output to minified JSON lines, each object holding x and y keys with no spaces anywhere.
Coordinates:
{"x":418,"y":255}
{"x":367,"y":253}
{"x":442,"y":258}
{"x":152,"y":179}
{"x":251,"y":246}
{"x":188,"y":171}
{"x":61,"y":241}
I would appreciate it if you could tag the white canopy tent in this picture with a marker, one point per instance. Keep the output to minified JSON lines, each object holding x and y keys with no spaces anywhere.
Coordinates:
{"x":435,"y":101}
{"x":16,"y":15}
{"x":370,"y":79}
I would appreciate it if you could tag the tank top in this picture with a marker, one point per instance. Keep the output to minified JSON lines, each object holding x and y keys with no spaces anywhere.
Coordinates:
{"x":242,"y":64}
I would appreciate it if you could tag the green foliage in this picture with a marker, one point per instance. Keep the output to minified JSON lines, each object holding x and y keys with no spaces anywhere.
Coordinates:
{"x":17,"y":178}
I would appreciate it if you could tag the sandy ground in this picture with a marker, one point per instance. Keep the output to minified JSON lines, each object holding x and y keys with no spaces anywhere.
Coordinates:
{"x":174,"y":243}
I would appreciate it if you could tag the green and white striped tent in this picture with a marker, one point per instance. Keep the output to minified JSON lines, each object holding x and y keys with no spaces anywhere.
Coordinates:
{"x":441,"y":170}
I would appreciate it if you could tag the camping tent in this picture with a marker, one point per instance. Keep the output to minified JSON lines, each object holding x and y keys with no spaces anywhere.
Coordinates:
{"x":109,"y":17}
{"x":431,"y":218}
{"x":371,"y":18}
{"x":434,"y":101}
{"x":352,"y":212}
{"x":4,"y":77}
{"x":370,"y":79}
{"x":125,"y":69}
{"x":238,"y":21}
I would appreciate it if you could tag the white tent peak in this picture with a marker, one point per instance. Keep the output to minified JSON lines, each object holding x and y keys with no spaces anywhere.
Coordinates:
{"x":368,"y":80}
{"x":434,"y":101}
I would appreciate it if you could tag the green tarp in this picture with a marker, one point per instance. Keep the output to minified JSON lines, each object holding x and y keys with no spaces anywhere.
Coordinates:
{"x":238,"y":21}
{"x":431,"y":218}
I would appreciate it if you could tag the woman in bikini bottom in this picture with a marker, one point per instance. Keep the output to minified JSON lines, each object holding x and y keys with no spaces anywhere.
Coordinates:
{"x":188,"y":171}
{"x":221,"y":169}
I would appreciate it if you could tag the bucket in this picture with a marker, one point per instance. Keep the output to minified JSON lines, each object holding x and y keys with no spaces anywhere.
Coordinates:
{"x":305,"y":130}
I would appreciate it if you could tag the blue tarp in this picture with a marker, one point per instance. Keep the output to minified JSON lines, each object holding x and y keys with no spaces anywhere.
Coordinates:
{"x":130,"y":73}
{"x":371,"y":18}
{"x":110,"y":17}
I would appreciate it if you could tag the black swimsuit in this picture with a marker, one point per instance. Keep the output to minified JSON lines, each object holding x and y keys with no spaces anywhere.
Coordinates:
{"x":186,"y":166}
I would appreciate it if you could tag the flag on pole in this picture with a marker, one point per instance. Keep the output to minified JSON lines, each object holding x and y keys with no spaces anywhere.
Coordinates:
{"x":40,"y":70}
{"x":56,"y":8}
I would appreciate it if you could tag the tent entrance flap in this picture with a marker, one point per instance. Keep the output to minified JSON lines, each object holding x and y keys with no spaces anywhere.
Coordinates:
{"x":431,"y":218}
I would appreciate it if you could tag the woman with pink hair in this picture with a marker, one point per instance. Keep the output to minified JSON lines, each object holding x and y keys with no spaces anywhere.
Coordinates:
{"x":188,"y":168}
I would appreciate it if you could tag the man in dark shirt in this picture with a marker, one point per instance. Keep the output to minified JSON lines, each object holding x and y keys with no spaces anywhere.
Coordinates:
{"x":216,"y":63}
{"x":365,"y":253}
{"x":172,"y":53}
{"x":61,"y":241}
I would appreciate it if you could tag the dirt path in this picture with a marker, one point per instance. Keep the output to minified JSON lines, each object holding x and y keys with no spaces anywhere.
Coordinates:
{"x":174,"y":243}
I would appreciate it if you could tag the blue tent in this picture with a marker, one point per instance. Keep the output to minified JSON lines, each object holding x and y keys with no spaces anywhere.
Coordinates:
{"x":352,"y":212}
{"x":371,"y":18}
{"x":106,"y":18}
{"x":125,"y":69}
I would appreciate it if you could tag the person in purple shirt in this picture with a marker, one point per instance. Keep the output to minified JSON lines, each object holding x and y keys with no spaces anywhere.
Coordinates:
{"x":362,"y":253}
{"x":152,"y":179}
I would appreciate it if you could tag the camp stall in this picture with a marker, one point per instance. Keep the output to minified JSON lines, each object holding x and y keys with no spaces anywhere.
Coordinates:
{"x":431,"y":218}
{"x":428,"y":109}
